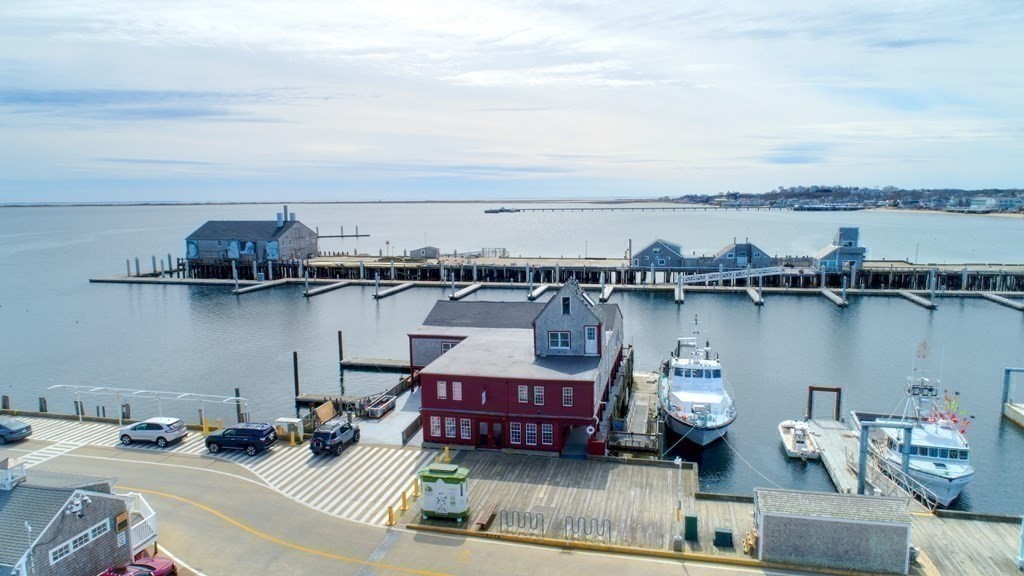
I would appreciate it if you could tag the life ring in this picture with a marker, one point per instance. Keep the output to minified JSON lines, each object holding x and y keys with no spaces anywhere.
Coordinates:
{"x":590,"y":430}
{"x":800,"y":271}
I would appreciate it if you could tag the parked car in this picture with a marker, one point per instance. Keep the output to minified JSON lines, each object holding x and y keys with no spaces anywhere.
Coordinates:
{"x":11,"y":430}
{"x":144,"y":567}
{"x":160,"y":430}
{"x":252,"y":437}
{"x":332,"y":436}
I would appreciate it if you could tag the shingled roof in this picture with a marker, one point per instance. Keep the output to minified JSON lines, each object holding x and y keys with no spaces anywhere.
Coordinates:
{"x":481,"y":314}
{"x":241,"y":230}
{"x":831,"y":505}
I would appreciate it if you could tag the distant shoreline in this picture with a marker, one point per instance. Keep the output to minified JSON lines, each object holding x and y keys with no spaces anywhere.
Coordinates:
{"x":920,"y":211}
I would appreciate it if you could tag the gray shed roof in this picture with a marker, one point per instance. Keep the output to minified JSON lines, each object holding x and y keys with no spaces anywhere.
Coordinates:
{"x":832,"y":505}
{"x":483,"y":314}
{"x":241,"y":230}
{"x":35,"y":505}
{"x":509,"y":354}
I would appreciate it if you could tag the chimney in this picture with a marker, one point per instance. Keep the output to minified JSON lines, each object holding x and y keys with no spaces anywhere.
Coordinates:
{"x":291,"y":216}
{"x":280,"y":222}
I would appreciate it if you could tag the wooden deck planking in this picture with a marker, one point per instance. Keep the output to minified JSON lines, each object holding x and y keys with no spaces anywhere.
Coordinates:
{"x":956,"y":546}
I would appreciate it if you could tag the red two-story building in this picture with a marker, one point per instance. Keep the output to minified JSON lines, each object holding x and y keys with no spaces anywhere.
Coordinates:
{"x":516,"y":375}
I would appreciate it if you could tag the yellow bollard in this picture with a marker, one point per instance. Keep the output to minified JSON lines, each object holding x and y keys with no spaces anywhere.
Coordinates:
{"x":405,"y":503}
{"x":416,"y":488}
{"x":391,"y":515}
{"x":291,"y":437}
{"x":206,"y":427}
{"x":447,"y":455}
{"x":220,"y":424}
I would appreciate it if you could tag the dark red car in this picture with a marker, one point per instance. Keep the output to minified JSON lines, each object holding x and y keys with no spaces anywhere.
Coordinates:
{"x":144,"y":567}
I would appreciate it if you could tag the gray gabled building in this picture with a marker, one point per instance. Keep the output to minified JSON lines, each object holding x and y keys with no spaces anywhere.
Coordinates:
{"x":844,"y":253}
{"x":740,"y":255}
{"x":66,"y":524}
{"x":427,"y":252}
{"x":661,"y":254}
{"x":252,"y":240}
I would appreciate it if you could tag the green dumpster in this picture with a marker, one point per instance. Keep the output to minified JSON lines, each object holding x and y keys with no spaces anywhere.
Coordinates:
{"x":445,"y":491}
{"x":691,"y":529}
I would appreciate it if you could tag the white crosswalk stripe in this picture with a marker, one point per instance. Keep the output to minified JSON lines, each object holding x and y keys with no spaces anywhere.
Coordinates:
{"x":358,"y":485}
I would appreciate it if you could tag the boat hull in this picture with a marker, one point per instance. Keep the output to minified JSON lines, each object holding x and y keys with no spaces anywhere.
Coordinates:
{"x":946,"y":490}
{"x":699,"y":435}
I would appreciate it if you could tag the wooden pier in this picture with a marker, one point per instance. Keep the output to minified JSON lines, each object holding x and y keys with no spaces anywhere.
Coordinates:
{"x":835,"y":298}
{"x":917,"y":299}
{"x":394,"y":290}
{"x":466,"y":291}
{"x":755,"y":297}
{"x":260,"y":286}
{"x":322,"y":289}
{"x":1004,"y":301}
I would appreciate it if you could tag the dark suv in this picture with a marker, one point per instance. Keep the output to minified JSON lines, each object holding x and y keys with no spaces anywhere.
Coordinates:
{"x":332,"y":436}
{"x":251,"y":437}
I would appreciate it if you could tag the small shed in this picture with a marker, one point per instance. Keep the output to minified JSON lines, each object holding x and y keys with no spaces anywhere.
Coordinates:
{"x":427,"y":252}
{"x":445,"y":491}
{"x":828,"y":530}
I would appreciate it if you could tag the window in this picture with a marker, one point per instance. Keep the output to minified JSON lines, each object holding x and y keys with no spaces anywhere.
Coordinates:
{"x":646,"y":258}
{"x":515,"y":433}
{"x":60,"y":552}
{"x":656,"y":250}
{"x":636,"y":261}
{"x":467,"y":428}
{"x":446,"y":346}
{"x":538,"y":395}
{"x":442,"y":390}
{"x":566,"y":308}
{"x":567,"y":396}
{"x":524,"y":394}
{"x":954,"y":454}
{"x":963,"y":454}
{"x":730,"y":255}
{"x":757,"y":254}
{"x":661,"y":261}
{"x":457,"y":391}
{"x":80,"y":540}
{"x":449,"y":427}
{"x":435,"y":426}
{"x":558,"y":340}
{"x":547,"y":434}
{"x":100,"y":529}
{"x":531,"y":434}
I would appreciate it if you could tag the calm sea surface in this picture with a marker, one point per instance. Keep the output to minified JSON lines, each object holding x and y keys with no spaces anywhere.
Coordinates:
{"x":59,"y":329}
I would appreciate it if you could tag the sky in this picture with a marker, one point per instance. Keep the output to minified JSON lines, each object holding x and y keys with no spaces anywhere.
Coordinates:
{"x":311,"y":100}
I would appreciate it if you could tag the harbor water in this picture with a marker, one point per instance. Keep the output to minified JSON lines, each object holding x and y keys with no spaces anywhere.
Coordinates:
{"x":59,"y":329}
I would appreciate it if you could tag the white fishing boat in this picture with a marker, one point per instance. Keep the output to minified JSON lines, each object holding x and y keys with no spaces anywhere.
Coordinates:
{"x":798,"y":440}
{"x":939,"y":454}
{"x":692,"y":395}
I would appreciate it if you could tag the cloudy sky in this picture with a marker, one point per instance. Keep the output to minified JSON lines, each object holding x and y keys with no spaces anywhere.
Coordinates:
{"x":329,"y":100}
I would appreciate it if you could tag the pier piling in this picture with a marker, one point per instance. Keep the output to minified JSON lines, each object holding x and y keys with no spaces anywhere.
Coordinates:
{"x":295,"y":372}
{"x":137,"y":271}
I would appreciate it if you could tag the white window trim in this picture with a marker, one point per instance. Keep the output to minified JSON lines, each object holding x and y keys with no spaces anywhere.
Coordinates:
{"x":538,"y":395}
{"x":446,"y":346}
{"x":457,"y":391}
{"x":555,"y":341}
{"x":449,"y":427}
{"x":442,"y":390}
{"x":531,"y":430}
{"x":73,"y":545}
{"x":515,"y":433}
{"x":567,"y":397}
{"x":547,"y":434}
{"x":524,"y":394}
{"x":466,"y":428}
{"x":435,"y":426}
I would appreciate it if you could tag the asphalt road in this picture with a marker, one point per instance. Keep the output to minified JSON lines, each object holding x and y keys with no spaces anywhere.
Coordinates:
{"x":222,"y":521}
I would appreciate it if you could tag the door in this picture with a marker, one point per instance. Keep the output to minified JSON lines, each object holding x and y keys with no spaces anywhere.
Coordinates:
{"x":590,"y":340}
{"x":484,"y":439}
{"x":496,"y":435}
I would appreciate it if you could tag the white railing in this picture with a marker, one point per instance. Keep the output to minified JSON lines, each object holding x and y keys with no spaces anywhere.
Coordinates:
{"x":732,"y":275}
{"x":143,"y":530}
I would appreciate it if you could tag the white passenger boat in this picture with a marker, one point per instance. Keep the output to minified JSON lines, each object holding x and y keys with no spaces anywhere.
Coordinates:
{"x":798,"y":440}
{"x":692,"y":395}
{"x":939,"y":452}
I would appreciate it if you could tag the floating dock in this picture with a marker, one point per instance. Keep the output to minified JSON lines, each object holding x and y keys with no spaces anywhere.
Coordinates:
{"x":917,"y":299}
{"x":466,"y":291}
{"x":755,"y":297}
{"x":332,"y":286}
{"x":1004,"y":301}
{"x":606,"y":293}
{"x":835,"y":298}
{"x":394,"y":290}
{"x":680,"y":294}
{"x":382,"y":364}
{"x":260,"y":286}
{"x":538,"y":291}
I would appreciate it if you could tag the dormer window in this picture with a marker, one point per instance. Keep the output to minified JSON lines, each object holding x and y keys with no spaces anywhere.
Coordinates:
{"x":566,"y":307}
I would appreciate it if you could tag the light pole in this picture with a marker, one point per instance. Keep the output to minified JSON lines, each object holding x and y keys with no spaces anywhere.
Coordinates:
{"x":677,"y":543}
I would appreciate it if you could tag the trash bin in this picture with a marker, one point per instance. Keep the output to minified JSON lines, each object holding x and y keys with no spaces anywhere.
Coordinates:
{"x":690,"y":533}
{"x":445,"y":491}
{"x":288,"y":426}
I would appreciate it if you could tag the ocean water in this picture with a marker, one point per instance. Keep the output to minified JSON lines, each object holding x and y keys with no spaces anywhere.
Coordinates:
{"x":58,"y":329}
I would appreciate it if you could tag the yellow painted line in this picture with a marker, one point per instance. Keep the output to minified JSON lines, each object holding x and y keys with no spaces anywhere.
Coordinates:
{"x":279,"y":541}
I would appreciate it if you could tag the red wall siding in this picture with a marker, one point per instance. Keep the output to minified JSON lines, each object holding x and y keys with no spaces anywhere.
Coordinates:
{"x":472,"y":393}
{"x":582,"y":401}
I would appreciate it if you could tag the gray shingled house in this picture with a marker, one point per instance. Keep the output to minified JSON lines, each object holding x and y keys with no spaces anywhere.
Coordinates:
{"x":843,"y":253}
{"x":428,"y":252}
{"x":66,"y":524}
{"x":661,"y":254}
{"x":740,"y":255}
{"x":833,"y":531}
{"x":249,"y":240}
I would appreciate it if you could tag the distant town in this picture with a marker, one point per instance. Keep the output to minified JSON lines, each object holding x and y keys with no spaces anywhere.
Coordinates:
{"x":856,"y":198}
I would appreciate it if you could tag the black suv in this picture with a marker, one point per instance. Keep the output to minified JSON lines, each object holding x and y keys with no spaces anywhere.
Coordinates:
{"x":251,"y":437}
{"x":332,"y":436}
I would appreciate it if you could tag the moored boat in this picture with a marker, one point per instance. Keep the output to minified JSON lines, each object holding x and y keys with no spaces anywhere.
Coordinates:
{"x":692,"y":395}
{"x":798,"y":440}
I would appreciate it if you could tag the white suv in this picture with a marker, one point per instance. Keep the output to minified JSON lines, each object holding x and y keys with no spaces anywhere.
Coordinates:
{"x":160,"y":430}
